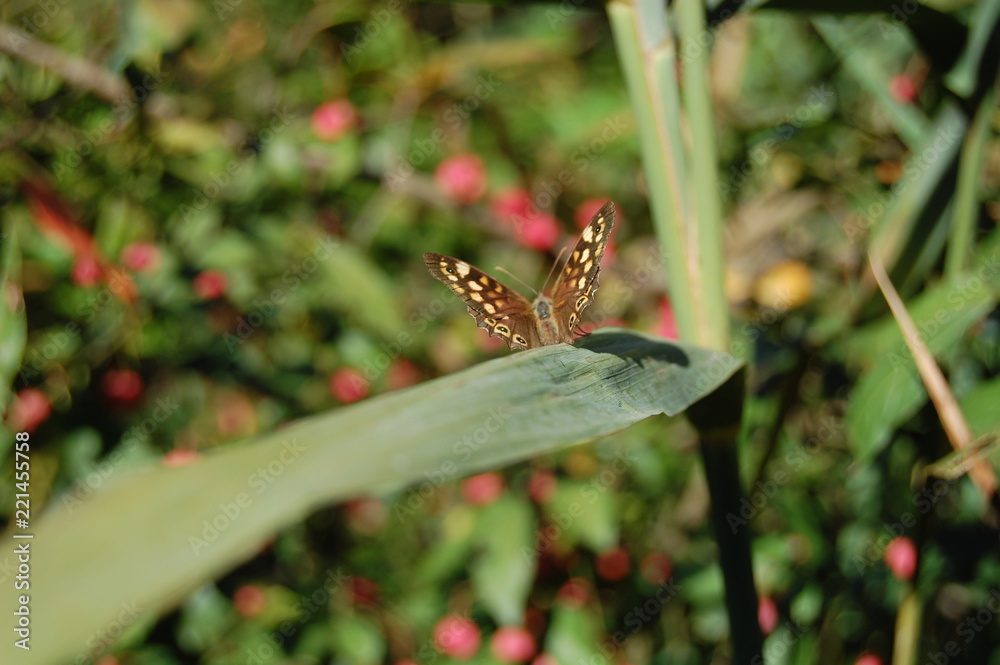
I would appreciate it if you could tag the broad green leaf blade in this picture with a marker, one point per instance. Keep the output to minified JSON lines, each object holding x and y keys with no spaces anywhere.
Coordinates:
{"x":576,"y":635}
{"x":148,"y":537}
{"x":503,"y":573}
{"x":357,"y":287}
{"x":582,"y":513}
{"x":891,"y":391}
{"x":979,"y":406}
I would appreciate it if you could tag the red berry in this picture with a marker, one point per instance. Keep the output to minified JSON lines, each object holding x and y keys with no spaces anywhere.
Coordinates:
{"x":575,"y":592}
{"x":86,"y":271}
{"x":366,"y":515}
{"x":545,"y":659}
{"x":457,"y":637}
{"x":461,"y":178}
{"x":364,"y":591}
{"x":180,"y":457}
{"x":767,"y":614}
{"x":249,"y":600}
{"x":123,"y":386}
{"x":901,"y":557}
{"x":332,"y":120}
{"x":30,"y":409}
{"x":542,"y":485}
{"x":512,"y":644}
{"x":656,"y":568}
{"x":348,"y":385}
{"x":210,"y":284}
{"x":511,"y":203}
{"x":903,"y":88}
{"x":141,"y":256}
{"x":868,"y":659}
{"x":539,"y":231}
{"x":402,"y":373}
{"x":483,"y":489}
{"x":613,"y":564}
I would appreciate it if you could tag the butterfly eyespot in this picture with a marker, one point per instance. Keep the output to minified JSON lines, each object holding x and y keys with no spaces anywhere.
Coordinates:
{"x":450,"y":271}
{"x":581,"y":301}
{"x":572,"y":320}
{"x":520,"y":340}
{"x":502,"y":329}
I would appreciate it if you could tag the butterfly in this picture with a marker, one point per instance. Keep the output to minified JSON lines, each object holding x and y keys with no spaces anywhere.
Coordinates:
{"x":508,"y":315}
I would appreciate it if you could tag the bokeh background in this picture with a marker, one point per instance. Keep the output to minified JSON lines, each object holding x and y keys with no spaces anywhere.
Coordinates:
{"x":216,"y":213}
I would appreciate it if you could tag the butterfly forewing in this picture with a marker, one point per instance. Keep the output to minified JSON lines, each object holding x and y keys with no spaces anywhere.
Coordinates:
{"x":501,"y":311}
{"x":574,"y":289}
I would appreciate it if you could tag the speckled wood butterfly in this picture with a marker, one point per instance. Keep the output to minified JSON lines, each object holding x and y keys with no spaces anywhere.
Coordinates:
{"x":508,"y":315}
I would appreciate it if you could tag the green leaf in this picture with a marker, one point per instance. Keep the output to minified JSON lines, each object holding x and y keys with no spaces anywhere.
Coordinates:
{"x":979,"y":406}
{"x":575,"y":636}
{"x":891,"y":391}
{"x":204,"y":618}
{"x":357,"y":287}
{"x":151,"y":535}
{"x":503,"y":573}
{"x":583,"y":512}
{"x":357,"y":639}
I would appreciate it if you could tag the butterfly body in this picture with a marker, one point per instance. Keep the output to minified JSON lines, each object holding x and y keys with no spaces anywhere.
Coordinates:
{"x":546,"y":325}
{"x":508,"y":315}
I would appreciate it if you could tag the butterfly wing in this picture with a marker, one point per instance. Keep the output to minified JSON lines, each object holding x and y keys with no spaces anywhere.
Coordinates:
{"x":574,"y":289}
{"x":504,"y":313}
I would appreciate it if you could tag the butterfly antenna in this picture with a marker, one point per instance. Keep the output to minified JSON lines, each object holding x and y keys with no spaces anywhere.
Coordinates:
{"x":553,"y":268}
{"x":516,"y":278}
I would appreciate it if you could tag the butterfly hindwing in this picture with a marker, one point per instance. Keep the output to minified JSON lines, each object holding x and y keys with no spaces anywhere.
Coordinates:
{"x":504,"y":313}
{"x":574,"y":289}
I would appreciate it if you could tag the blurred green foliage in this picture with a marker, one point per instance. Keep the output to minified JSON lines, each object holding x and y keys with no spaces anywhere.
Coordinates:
{"x":200,"y":263}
